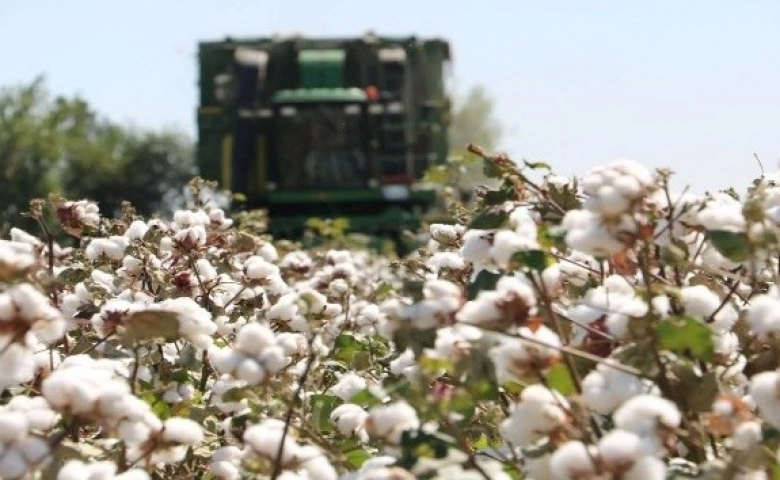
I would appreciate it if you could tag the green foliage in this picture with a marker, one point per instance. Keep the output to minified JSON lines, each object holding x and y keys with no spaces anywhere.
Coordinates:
{"x":732,"y":245}
{"x":61,"y":145}
{"x":686,"y":335}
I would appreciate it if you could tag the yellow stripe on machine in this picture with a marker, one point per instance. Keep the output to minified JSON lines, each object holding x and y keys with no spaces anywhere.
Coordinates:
{"x":227,"y":162}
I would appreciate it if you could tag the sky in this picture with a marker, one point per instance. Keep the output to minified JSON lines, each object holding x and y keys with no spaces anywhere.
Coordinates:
{"x":687,"y":84}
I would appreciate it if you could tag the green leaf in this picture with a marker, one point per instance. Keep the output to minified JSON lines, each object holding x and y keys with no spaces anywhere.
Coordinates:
{"x":686,"y":335}
{"x":235,"y":394}
{"x":407,"y":336}
{"x":538,"y":165}
{"x":485,"y":281}
{"x":733,"y":245}
{"x":491,"y":218}
{"x":533,"y":259}
{"x":321,"y":408}
{"x":559,"y":378}
{"x":150,"y":325}
{"x":365,"y":399}
{"x":383,"y":290}
{"x":357,"y":457}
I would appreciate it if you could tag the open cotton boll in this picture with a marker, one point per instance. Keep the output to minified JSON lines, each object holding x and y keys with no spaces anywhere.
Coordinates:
{"x":350,"y":420}
{"x":388,"y":422}
{"x":539,"y":412}
{"x":585,"y":232}
{"x":349,"y":385}
{"x":764,"y":314}
{"x":765,"y":392}
{"x":572,"y":460}
{"x":606,"y":388}
{"x":722,"y":212}
{"x":103,"y":470}
{"x":699,"y":301}
{"x":648,"y":416}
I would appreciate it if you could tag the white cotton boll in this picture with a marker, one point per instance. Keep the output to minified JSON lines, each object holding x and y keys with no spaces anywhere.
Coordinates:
{"x":35,"y":450}
{"x":254,"y":337}
{"x":572,"y":460}
{"x":476,"y":248}
{"x":388,"y":422}
{"x":506,"y":243}
{"x":608,"y":201}
{"x":584,"y":232}
{"x":448,"y":260}
{"x":250,"y":371}
{"x":764,"y":315}
{"x":514,"y":357}
{"x":112,"y":248}
{"x":700,"y":301}
{"x":39,"y":414}
{"x":661,"y":305}
{"x":539,"y":412}
{"x":765,"y":392}
{"x":315,"y":464}
{"x":349,"y":385}
{"x":224,"y":360}
{"x":17,"y":365}
{"x":183,"y":431}
{"x":12,"y":426}
{"x":136,"y":230}
{"x":722,"y":212}
{"x":349,"y":419}
{"x":643,"y":414}
{"x":646,"y":468}
{"x":606,"y":388}
{"x":446,"y":234}
{"x":618,"y":448}
{"x":405,"y":364}
{"x":258,"y":268}
{"x":225,"y":462}
{"x":12,"y":464}
{"x":273,"y":359}
{"x":264,"y":440}
{"x":285,"y":309}
{"x":205,"y":270}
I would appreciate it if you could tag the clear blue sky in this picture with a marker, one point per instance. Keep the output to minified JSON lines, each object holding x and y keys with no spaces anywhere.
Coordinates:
{"x":694,"y":85}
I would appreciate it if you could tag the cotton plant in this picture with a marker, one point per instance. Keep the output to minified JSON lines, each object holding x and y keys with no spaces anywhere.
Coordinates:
{"x":602,"y":327}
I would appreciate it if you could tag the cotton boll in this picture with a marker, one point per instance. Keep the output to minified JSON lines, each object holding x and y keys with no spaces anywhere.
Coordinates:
{"x":619,"y":448}
{"x":388,"y":422}
{"x":606,"y":388}
{"x":585,"y":232}
{"x":764,"y":314}
{"x":225,"y":463}
{"x":539,"y":412}
{"x":572,"y":460}
{"x":348,"y":386}
{"x":254,"y":337}
{"x":646,"y":468}
{"x":182,"y":431}
{"x":646,"y":416}
{"x":349,"y":420}
{"x":765,"y":392}
{"x":701,"y":302}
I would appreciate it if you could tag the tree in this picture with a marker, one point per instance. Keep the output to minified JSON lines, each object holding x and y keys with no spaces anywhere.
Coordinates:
{"x":61,"y":145}
{"x":473,"y":121}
